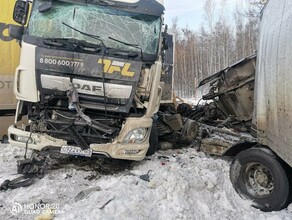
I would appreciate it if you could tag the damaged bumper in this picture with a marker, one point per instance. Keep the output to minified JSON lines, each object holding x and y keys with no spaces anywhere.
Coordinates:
{"x":121,"y":148}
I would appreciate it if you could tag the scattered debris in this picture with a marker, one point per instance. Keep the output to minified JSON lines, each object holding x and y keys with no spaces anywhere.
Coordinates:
{"x":22,"y":181}
{"x":146,"y":177}
{"x":180,"y":189}
{"x":46,"y":215}
{"x":163,"y":157}
{"x":86,"y":193}
{"x":93,"y":176}
{"x":103,"y":199}
{"x":66,"y":175}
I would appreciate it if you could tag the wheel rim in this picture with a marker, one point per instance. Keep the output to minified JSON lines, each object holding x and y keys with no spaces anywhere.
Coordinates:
{"x":258,"y":180}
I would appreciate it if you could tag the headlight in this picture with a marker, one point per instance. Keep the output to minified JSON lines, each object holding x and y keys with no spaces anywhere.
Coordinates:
{"x":136,"y":136}
{"x":23,"y":139}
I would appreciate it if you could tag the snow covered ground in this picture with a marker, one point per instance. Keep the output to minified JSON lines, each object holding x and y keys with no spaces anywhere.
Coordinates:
{"x":184,"y":184}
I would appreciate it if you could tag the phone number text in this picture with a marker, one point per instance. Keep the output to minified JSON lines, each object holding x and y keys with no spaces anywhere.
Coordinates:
{"x":58,"y":62}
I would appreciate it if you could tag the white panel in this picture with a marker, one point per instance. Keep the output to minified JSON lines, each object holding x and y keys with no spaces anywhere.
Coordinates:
{"x":55,"y":82}
{"x":96,"y":88}
{"x":86,"y":87}
{"x":25,"y":87}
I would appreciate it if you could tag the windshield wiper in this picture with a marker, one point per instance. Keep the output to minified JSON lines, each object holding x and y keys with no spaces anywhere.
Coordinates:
{"x":96,"y":37}
{"x":56,"y":42}
{"x":82,"y":44}
{"x":128,"y":44}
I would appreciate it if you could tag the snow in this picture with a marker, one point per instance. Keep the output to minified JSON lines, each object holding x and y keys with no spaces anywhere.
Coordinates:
{"x":184,"y":184}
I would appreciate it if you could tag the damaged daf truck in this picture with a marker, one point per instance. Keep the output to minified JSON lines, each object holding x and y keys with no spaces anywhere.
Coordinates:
{"x":89,"y":76}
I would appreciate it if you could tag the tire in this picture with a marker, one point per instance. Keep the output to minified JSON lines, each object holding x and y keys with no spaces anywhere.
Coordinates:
{"x":153,"y":141}
{"x":257,"y":174}
{"x":5,"y":139}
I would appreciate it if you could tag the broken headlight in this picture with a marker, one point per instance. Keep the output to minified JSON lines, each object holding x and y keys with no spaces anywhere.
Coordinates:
{"x":136,"y":136}
{"x":23,"y":139}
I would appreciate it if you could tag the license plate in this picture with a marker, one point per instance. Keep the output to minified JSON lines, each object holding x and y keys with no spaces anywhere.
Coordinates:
{"x":76,"y":151}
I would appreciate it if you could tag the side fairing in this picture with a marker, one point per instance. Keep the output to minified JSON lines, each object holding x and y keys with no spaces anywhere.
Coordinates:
{"x":25,"y":87}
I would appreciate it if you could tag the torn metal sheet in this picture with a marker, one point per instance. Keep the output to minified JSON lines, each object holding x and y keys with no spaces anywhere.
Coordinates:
{"x":232,"y":89}
{"x":86,"y":193}
{"x":216,"y":141}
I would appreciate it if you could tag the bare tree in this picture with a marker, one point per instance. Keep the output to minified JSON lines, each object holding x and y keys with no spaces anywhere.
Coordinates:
{"x":209,"y":9}
{"x":255,"y":8}
{"x":212,"y":48}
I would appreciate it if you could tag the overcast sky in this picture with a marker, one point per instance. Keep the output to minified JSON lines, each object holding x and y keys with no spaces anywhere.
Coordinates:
{"x":191,"y":13}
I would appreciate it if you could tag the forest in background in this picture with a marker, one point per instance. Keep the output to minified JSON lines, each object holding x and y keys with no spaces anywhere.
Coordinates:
{"x":220,"y":42}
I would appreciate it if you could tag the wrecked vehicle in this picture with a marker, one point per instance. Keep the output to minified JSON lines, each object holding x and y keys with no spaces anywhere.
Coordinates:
{"x":225,"y":118}
{"x":232,"y":93}
{"x":258,"y":104}
{"x":89,"y":77}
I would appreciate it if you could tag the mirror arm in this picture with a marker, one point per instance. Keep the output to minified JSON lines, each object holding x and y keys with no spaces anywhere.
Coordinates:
{"x":16,"y":31}
{"x":164,"y":36}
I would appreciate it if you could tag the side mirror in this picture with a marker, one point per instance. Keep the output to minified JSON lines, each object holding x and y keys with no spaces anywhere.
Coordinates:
{"x":20,"y":13}
{"x":165,"y":43}
{"x":168,"y":55}
{"x":16,"y":32}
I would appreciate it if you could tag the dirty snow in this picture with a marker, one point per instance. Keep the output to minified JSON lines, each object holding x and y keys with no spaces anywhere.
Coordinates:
{"x":184,"y":184}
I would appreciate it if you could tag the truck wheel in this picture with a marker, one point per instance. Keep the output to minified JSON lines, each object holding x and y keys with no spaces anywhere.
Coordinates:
{"x":153,"y":142}
{"x":257,"y":174}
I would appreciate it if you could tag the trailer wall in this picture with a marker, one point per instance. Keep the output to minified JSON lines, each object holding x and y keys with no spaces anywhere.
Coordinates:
{"x":9,"y":57}
{"x":273,"y":106}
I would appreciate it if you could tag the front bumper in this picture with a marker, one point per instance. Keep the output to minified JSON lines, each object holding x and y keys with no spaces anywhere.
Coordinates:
{"x":117,"y":149}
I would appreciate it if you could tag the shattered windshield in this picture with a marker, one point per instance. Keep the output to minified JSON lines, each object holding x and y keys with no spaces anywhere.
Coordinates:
{"x":129,"y":27}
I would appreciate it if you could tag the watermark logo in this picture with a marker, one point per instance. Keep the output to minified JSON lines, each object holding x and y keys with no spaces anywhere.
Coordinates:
{"x":32,"y":209}
{"x":16,"y":208}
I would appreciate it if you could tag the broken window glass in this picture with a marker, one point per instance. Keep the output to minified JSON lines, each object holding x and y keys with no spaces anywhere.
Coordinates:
{"x":133,"y":28}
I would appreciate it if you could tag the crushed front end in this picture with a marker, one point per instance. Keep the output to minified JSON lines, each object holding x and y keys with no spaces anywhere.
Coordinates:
{"x":89,"y":78}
